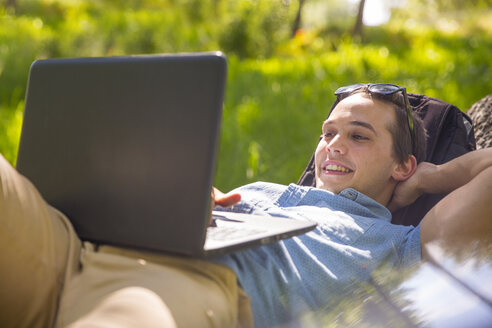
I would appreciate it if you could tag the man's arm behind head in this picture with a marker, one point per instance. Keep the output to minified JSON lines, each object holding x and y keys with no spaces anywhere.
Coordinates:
{"x":465,"y":214}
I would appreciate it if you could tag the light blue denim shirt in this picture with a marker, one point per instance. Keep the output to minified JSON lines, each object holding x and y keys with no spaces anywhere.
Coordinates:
{"x":292,"y":277}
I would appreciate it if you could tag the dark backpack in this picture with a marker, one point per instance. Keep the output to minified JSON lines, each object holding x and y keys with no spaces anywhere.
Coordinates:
{"x":449,"y":135}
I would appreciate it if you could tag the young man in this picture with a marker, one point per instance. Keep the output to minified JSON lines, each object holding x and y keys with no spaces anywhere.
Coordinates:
{"x":359,"y":170}
{"x":364,"y":162}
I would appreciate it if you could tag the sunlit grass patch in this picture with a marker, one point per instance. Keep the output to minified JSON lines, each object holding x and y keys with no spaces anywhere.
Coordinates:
{"x":11,"y":124}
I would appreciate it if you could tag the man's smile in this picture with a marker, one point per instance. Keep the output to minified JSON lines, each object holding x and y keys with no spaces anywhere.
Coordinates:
{"x":331,"y":167}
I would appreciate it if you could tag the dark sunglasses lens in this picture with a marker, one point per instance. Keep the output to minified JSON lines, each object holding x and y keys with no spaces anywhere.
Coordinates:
{"x":348,"y":89}
{"x":385,"y":89}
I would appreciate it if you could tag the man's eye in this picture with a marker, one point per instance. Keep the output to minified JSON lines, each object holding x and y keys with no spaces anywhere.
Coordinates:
{"x":328,"y":134}
{"x":359,"y":137}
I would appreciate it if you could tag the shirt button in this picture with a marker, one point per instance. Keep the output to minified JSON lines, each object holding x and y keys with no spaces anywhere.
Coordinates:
{"x":351,"y":195}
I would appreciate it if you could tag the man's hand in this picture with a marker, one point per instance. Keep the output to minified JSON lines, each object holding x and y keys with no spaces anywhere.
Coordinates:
{"x":406,"y":192}
{"x":220,"y":199}
{"x":224,"y":200}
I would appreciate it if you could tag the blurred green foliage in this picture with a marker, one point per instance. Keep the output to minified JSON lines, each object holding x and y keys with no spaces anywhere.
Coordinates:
{"x":279,"y":88}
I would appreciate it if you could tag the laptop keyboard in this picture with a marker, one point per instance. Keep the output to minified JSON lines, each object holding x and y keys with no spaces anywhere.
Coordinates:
{"x":230,"y":233}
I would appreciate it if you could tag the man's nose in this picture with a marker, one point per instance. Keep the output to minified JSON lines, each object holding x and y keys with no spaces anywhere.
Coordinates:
{"x":337,"y":145}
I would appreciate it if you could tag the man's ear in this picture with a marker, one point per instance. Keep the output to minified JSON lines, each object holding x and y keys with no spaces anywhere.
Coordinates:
{"x":403,"y":171}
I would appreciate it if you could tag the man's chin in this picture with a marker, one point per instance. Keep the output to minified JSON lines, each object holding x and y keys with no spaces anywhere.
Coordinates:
{"x":333,"y":189}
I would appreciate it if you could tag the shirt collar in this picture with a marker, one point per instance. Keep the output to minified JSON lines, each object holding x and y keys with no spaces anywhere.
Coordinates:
{"x":295,"y":195}
{"x":367,"y":202}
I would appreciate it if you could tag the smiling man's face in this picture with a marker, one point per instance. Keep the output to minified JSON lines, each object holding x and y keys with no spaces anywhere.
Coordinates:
{"x":356,"y":149}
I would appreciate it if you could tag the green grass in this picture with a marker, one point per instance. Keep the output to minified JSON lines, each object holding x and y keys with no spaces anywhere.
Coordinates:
{"x":274,"y":107}
{"x":279,"y":90}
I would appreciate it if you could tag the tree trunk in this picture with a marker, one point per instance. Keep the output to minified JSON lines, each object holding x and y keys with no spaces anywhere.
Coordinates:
{"x":297,"y":21}
{"x":216,"y":7}
{"x":358,"y":24}
{"x":11,"y":4}
{"x":480,"y":113}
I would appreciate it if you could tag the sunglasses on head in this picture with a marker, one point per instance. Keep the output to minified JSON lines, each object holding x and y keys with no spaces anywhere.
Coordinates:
{"x":383,"y":89}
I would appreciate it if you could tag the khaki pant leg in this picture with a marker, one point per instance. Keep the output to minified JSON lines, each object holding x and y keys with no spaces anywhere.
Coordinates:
{"x":37,"y":245}
{"x":124,"y":288}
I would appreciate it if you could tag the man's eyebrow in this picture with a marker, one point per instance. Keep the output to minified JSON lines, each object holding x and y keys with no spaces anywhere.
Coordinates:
{"x":364,"y":125}
{"x":356,"y":123}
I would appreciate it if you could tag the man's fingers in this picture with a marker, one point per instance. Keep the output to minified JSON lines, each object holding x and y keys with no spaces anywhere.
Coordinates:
{"x":220,"y":199}
{"x":227,"y":200}
{"x":224,"y":200}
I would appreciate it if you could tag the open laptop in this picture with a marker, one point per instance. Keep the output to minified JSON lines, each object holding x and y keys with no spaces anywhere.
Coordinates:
{"x":126,"y":148}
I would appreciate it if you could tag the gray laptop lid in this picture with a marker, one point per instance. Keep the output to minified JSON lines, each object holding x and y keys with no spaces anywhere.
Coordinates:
{"x":126,"y":148}
{"x":108,"y":142}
